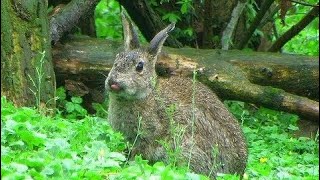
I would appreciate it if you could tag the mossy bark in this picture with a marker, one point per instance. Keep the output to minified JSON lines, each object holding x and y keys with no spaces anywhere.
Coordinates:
{"x":27,"y":76}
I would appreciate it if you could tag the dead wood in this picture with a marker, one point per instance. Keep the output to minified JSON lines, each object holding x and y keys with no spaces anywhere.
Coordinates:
{"x":277,"y":81}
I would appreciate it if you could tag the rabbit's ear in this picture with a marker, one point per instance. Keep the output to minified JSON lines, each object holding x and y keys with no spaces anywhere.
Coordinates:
{"x":157,"y":42}
{"x":131,"y":40}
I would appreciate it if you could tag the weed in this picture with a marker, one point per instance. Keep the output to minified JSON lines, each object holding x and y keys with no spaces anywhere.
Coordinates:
{"x":139,"y":133}
{"x":177,"y":132}
{"x":70,"y":109}
{"x":37,"y":84}
{"x":215,"y":165}
{"x":193,"y":118}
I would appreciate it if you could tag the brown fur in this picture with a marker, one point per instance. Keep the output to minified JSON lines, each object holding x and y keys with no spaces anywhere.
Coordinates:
{"x":135,"y":95}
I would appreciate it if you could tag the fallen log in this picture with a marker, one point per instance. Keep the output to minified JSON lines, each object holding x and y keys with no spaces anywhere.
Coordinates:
{"x":278,"y":81}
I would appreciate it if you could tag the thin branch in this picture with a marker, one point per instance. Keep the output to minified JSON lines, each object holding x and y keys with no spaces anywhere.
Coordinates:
{"x":256,"y":22}
{"x":64,"y":20}
{"x":304,"y":4}
{"x":269,"y":17}
{"x":228,"y":31}
{"x":294,"y":30}
{"x":275,"y":31}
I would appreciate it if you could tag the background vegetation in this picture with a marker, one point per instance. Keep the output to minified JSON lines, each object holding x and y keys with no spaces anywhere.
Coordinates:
{"x":108,"y":25}
{"x":307,"y":41}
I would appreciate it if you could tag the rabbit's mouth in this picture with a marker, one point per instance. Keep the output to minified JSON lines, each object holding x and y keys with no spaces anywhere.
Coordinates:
{"x":114,"y":86}
{"x":120,"y":89}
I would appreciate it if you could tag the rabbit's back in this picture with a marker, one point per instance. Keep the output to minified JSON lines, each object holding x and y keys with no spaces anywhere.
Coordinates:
{"x":215,"y":128}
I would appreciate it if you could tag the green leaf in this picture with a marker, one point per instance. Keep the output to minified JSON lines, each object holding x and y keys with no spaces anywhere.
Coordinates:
{"x":173,"y":18}
{"x":77,"y":100}
{"x":80,"y":109}
{"x":283,"y":175}
{"x":116,"y":156}
{"x":68,"y":164}
{"x":36,"y":175}
{"x":17,"y":143}
{"x":20,"y":168}
{"x":57,"y":145}
{"x":110,"y":163}
{"x":35,"y":162}
{"x":293,"y":128}
{"x":70,"y":107}
{"x":61,"y":93}
{"x":47,"y":171}
{"x":184,"y":8}
{"x":24,"y":114}
{"x":15,"y":175}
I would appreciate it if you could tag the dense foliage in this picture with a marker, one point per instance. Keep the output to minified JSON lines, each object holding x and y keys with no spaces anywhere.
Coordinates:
{"x":108,"y":25}
{"x":307,"y":41}
{"x":67,"y":146}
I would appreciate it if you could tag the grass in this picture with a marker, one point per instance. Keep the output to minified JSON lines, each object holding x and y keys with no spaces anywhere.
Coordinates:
{"x":35,"y":146}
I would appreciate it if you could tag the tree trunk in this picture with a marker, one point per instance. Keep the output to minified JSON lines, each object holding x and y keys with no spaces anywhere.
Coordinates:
{"x":276,"y":81}
{"x":68,"y":17}
{"x":147,"y":20}
{"x":209,"y":20}
{"x":27,"y":76}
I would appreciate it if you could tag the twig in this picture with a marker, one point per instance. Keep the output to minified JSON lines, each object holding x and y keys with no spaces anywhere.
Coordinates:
{"x":275,"y":31}
{"x":304,"y":4}
{"x":269,"y":17}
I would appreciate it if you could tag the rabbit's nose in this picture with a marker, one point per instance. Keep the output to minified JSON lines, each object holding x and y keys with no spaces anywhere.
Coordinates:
{"x":114,"y":85}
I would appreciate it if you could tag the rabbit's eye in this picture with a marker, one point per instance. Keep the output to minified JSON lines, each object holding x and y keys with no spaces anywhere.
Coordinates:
{"x":139,"y":66}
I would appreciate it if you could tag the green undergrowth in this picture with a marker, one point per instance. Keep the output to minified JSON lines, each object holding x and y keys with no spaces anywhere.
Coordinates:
{"x":274,"y":153}
{"x":66,"y":146}
{"x":34,"y":146}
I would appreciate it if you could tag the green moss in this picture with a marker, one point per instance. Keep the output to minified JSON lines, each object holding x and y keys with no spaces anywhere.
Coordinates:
{"x":270,"y":95}
{"x":6,"y":27}
{"x":30,"y":7}
{"x":23,"y":39}
{"x":35,"y":42}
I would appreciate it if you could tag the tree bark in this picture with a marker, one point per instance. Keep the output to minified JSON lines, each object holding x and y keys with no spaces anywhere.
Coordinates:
{"x":276,"y":81}
{"x":27,"y":76}
{"x":207,"y":38}
{"x":69,"y":16}
{"x":228,"y":32}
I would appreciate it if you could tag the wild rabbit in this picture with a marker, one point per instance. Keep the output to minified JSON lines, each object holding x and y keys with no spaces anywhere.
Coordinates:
{"x":162,"y":115}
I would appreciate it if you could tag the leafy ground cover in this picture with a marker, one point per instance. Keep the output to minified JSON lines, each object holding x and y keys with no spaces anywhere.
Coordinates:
{"x":66,"y":146}
{"x":273,"y":151}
